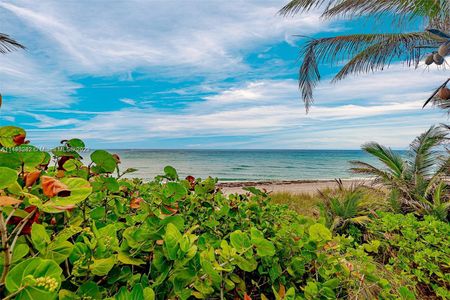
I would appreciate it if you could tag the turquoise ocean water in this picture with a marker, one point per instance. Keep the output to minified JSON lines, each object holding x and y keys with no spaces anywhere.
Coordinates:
{"x":245,"y":165}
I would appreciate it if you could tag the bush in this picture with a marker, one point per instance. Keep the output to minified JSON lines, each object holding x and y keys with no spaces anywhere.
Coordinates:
{"x":75,"y":231}
{"x":417,"y":250}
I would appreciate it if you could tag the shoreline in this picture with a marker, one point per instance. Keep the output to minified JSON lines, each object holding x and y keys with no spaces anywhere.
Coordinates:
{"x":289,"y":186}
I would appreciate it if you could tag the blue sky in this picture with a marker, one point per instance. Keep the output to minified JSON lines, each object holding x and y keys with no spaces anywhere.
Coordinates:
{"x":194,"y":74}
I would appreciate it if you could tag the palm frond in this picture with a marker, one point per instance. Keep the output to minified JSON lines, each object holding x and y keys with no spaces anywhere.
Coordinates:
{"x":297,"y":6}
{"x":7,"y":44}
{"x":364,"y":168}
{"x":366,"y":52}
{"x":424,"y":151}
{"x":408,"y":47}
{"x":393,"y":161}
{"x":431,"y":9}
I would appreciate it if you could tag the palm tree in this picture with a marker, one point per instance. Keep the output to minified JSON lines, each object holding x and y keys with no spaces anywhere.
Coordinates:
{"x":372,"y":52}
{"x":417,"y":181}
{"x":7,"y":44}
{"x":345,"y":207}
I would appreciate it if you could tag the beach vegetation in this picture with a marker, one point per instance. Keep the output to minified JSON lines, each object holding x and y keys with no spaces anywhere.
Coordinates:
{"x":71,"y":230}
{"x":306,"y":204}
{"x":347,"y":209}
{"x":418,"y":182}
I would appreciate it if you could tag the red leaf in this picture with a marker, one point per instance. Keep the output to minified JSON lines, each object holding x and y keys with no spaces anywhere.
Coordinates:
{"x":53,"y":187}
{"x":27,"y":228}
{"x":31,"y":178}
{"x":136,"y":202}
{"x":117,"y":158}
{"x":7,"y":201}
{"x":19,"y":139}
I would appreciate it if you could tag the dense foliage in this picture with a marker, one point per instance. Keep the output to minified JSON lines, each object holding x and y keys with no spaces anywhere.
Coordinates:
{"x":418,"y":182}
{"x":76,"y":231}
{"x":419,"y":249}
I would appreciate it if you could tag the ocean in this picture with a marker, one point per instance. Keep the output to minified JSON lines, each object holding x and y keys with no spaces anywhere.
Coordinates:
{"x":245,"y":165}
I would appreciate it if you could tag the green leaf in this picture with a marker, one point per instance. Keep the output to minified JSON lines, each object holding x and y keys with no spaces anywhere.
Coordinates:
{"x":247,"y":265}
{"x":175,"y":191}
{"x":7,"y":134}
{"x":171,"y":238}
{"x":67,"y":295}
{"x":72,"y":164}
{"x":102,"y":266}
{"x":137,"y":293}
{"x":125,"y":258}
{"x":30,"y":156}
{"x":75,"y":143}
{"x":26,"y":276}
{"x":10,"y":159}
{"x":39,"y":237}
{"x":111,"y":184}
{"x":171,"y":173}
{"x":97,"y":213}
{"x":104,"y":161}
{"x":149,"y":294}
{"x":332,"y":283}
{"x":59,"y":251}
{"x":311,"y":290}
{"x":90,"y":290}
{"x":264,"y":247}
{"x":240,"y":241}
{"x":19,"y":252}
{"x":178,"y":221}
{"x":7,"y":177}
{"x":319,"y":232}
{"x":67,"y":233}
{"x":406,"y":294}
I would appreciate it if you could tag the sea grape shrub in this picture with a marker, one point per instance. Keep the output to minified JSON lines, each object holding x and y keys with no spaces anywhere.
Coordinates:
{"x":416,"y":249}
{"x":76,"y":231}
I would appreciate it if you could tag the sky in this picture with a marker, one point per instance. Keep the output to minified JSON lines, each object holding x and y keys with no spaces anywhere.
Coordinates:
{"x":195,"y":74}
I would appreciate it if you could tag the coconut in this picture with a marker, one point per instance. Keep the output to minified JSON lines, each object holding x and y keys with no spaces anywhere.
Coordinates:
{"x":443,"y":50}
{"x":429,"y":60}
{"x":438,"y":59}
{"x":444,"y":93}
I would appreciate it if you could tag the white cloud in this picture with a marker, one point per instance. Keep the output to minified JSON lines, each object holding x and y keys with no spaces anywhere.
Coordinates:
{"x":69,"y":40}
{"x":128,"y":101}
{"x":270,"y":114}
{"x":32,"y":85}
{"x":194,"y":36}
{"x":44,"y":121}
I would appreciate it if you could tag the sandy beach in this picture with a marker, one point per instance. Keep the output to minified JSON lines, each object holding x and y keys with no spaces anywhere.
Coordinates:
{"x":292,"y":186}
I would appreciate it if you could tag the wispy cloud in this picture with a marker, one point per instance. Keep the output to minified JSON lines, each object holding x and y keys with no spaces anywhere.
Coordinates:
{"x":193,"y":36}
{"x":143,"y":72}
{"x":270,"y":113}
{"x":33,"y":85}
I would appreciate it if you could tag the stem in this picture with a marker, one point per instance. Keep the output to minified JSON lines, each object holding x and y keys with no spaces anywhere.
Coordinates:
{"x":5,"y":249}
{"x":22,"y":224}
{"x":14,"y":294}
{"x":221,"y":287}
{"x":9,"y":249}
{"x":106,"y":208}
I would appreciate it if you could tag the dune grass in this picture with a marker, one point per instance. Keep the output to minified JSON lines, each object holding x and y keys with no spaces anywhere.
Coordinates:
{"x":308,"y":204}
{"x":303,"y":203}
